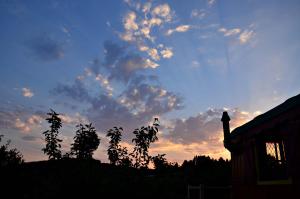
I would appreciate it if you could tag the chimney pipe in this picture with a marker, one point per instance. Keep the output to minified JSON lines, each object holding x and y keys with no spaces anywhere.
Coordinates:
{"x":226,"y":129}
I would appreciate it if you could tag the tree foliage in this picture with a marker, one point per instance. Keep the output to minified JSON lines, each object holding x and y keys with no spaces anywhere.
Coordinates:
{"x":53,"y":145}
{"x":8,"y":156}
{"x":143,"y":138}
{"x":86,"y":141}
{"x":160,"y":162}
{"x":203,"y":169}
{"x":117,"y":154}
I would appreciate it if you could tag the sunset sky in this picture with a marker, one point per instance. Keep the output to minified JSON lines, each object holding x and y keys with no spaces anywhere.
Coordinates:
{"x":122,"y":63}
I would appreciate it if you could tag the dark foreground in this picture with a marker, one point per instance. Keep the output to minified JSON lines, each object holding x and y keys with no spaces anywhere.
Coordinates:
{"x":92,"y":179}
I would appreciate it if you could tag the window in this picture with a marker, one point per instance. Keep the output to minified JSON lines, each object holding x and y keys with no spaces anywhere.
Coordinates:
{"x":275,"y":153}
{"x":272,"y":161}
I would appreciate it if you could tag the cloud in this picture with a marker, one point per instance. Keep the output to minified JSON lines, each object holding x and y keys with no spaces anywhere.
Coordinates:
{"x":211,"y":2}
{"x":129,"y":21}
{"x":147,"y":7}
{"x":105,"y":83}
{"x":66,"y":31}
{"x":46,"y":48}
{"x":140,"y":99}
{"x":136,"y":105}
{"x":143,"y":48}
{"x":75,"y":119}
{"x":178,"y":152}
{"x":139,"y":24}
{"x":167,"y":53}
{"x":230,"y":32}
{"x":150,"y":64}
{"x":35,"y":119}
{"x":31,"y":122}
{"x":20,"y":118}
{"x":200,"y":14}
{"x":163,"y":11}
{"x":122,"y":65}
{"x":22,"y":126}
{"x":181,"y":28}
{"x":27,"y":92}
{"x":245,"y":36}
{"x":31,"y":138}
{"x":195,"y":64}
{"x":205,"y":127}
{"x":152,"y":52}
{"x":76,"y":91}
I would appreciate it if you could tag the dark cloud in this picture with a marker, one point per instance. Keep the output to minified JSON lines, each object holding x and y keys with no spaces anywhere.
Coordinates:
{"x":95,"y":66}
{"x":127,"y":67}
{"x":7,"y":119}
{"x":76,"y":91}
{"x":205,"y":127}
{"x":136,"y":105}
{"x":141,"y":99}
{"x":106,"y":112}
{"x":122,"y":65}
{"x":19,"y":117}
{"x":112,"y":52}
{"x":46,"y":48}
{"x":148,"y":99}
{"x":31,"y":138}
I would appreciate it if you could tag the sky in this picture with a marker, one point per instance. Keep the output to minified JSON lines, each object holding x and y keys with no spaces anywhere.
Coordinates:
{"x":125,"y":62}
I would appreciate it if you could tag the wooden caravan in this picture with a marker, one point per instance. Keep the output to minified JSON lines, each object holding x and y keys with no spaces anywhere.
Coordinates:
{"x":265,"y":153}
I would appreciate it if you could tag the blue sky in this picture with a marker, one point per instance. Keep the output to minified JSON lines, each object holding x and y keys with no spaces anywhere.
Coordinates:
{"x":126,"y":62}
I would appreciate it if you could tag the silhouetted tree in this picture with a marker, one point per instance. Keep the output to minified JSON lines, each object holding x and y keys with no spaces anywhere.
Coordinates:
{"x":124,"y":159}
{"x":115,"y":137}
{"x":53,"y":145}
{"x":86,"y":141}
{"x":143,"y":137}
{"x":203,"y":169}
{"x":9,"y":156}
{"x":160,"y":162}
{"x":117,"y":154}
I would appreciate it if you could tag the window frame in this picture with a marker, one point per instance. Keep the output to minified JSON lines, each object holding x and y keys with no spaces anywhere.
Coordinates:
{"x":260,"y":151}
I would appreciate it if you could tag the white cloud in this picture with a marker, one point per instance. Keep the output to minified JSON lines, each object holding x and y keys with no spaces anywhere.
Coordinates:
{"x":129,"y":21}
{"x":195,"y":64}
{"x":245,"y":36}
{"x":127,"y":36}
{"x":211,"y":2}
{"x":150,"y":64}
{"x":146,"y":32}
{"x":152,"y":52}
{"x":230,"y":32}
{"x":155,"y":22}
{"x":27,"y":92}
{"x":65,"y":30}
{"x":163,"y":11}
{"x":167,"y":53}
{"x":75,"y":119}
{"x":198,"y":13}
{"x":105,"y":84}
{"x":138,"y":30}
{"x":32,"y":122}
{"x":143,"y":48}
{"x":181,"y":28}
{"x":146,"y":7}
{"x":22,"y":125}
{"x":206,"y":127}
{"x":35,"y":119}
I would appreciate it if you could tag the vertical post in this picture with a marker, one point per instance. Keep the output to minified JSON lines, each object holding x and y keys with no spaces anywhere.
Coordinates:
{"x":188,"y":191}
{"x":226,"y":129}
{"x":201,"y":191}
